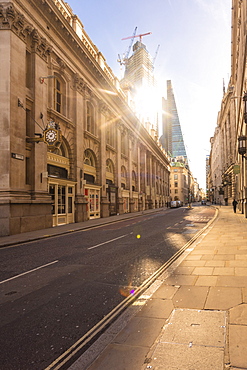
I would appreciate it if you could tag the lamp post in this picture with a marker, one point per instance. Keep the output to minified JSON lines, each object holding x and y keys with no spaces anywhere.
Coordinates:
{"x":242,"y":151}
{"x":245,"y":106}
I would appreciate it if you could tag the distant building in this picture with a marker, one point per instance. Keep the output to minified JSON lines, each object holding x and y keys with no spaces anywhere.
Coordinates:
{"x":181,"y":182}
{"x":172,"y":137}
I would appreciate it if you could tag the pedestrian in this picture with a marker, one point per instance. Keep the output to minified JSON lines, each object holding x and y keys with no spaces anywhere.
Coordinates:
{"x":234,"y":204}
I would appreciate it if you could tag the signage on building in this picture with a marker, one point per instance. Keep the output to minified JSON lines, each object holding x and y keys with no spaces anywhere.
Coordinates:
{"x":221,"y":191}
{"x":236,"y":169}
{"x":18,"y":156}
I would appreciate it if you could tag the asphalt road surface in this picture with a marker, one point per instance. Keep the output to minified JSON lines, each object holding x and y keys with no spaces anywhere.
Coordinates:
{"x":54,"y":290}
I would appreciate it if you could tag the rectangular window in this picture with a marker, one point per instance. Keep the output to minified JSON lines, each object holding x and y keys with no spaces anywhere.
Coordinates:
{"x":52,"y":194}
{"x":175,"y":177}
{"x":28,"y":69}
{"x":28,"y":171}
{"x":28,"y":122}
{"x":70,"y":204}
{"x":61,"y":199}
{"x":58,"y":96}
{"x":176,"y":184}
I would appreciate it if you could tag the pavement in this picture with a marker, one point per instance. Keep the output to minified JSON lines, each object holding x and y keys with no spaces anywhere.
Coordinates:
{"x":193,"y":317}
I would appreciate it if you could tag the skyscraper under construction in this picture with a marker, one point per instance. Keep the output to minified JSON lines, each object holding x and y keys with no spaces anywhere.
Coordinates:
{"x":139,"y":67}
{"x":172,"y":138}
{"x":140,"y":82}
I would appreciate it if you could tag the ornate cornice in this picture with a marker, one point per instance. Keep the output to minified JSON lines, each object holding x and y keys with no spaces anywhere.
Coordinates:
{"x":12,"y":19}
{"x":79,"y":83}
{"x":40,"y":45}
{"x":104,"y":109}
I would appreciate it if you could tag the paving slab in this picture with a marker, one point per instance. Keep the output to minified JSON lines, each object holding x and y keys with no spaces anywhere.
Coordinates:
{"x":196,"y":327}
{"x":178,"y":280}
{"x":141,"y":330}
{"x":206,"y":281}
{"x":244,"y":291}
{"x":193,"y":263}
{"x":190,"y":297}
{"x":119,"y":357}
{"x":192,"y":339}
{"x":224,"y":257}
{"x":203,"y":271}
{"x":238,"y":315}
{"x":224,"y":271}
{"x":213,"y":263}
{"x":237,"y":345}
{"x":232,"y":281}
{"x":157,"y":308}
{"x":241,"y":271}
{"x":169,"y":356}
{"x":223,"y":298}
{"x":165,"y":292}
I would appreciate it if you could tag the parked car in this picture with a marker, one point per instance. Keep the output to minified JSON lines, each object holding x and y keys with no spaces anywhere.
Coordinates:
{"x":173,"y":204}
{"x":176,"y":203}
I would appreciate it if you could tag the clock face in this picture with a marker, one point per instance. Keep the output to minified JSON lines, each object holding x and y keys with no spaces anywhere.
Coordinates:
{"x":51,"y":136}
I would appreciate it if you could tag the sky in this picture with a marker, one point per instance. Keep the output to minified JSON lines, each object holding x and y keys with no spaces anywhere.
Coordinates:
{"x":194,"y":53}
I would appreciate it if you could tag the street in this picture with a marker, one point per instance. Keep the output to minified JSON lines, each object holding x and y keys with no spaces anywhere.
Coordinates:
{"x":55,"y":290}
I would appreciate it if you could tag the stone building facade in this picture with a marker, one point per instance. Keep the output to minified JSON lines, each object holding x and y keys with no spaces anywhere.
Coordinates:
{"x":182,"y":184}
{"x":227,"y":177}
{"x":71,"y":147}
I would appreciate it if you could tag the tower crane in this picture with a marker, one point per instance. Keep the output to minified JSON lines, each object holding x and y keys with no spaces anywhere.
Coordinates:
{"x":155,"y":56}
{"x":141,"y":36}
{"x":126,"y":54}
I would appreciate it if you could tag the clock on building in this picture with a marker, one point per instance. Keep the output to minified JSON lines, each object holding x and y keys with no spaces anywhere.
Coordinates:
{"x":50,"y":136}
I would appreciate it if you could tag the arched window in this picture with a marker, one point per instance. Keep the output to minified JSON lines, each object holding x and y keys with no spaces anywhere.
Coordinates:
{"x":134,"y":181}
{"x":89,"y":166}
{"x":89,"y":158}
{"x":61,"y":149}
{"x":90,"y":119}
{"x":109,"y":171}
{"x":123,"y":177}
{"x":109,"y":166}
{"x":58,"y":167}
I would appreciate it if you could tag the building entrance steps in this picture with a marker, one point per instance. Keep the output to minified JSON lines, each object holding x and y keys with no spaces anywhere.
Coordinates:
{"x":195,"y":316}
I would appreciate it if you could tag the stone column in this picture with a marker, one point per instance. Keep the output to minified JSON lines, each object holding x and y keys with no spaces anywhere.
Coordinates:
{"x":80,"y":119}
{"x":118,"y":169}
{"x":139,"y":177}
{"x":105,"y":204}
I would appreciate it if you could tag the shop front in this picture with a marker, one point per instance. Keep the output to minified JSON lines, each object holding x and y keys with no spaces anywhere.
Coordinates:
{"x":92,"y":195}
{"x":112,"y":197}
{"x":62,"y":193}
{"x":61,"y":189}
{"x":126,"y":201}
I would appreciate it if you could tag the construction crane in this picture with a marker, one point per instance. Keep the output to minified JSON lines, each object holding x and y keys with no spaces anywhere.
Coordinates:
{"x":126,"y":54}
{"x":141,"y":36}
{"x":155,"y":56}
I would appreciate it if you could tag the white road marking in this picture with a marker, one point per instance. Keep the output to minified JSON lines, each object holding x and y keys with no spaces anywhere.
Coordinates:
{"x":109,"y":241}
{"x":28,"y":272}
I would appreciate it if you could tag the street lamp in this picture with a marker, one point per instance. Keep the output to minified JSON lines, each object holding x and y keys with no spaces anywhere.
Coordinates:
{"x":245,"y":106}
{"x":242,"y":152}
{"x":242,"y":145}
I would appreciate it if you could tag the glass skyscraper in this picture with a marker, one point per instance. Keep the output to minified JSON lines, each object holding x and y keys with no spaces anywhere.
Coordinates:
{"x":172,"y":138}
